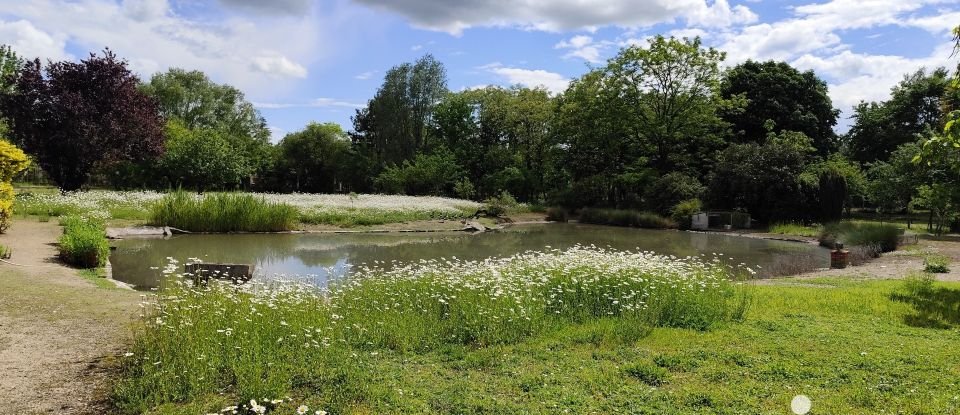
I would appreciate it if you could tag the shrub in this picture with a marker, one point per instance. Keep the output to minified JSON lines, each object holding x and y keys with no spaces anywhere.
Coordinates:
{"x":669,"y":190}
{"x":936,"y":263}
{"x":886,"y":236}
{"x":500,"y":205}
{"x":84,"y":242}
{"x":12,"y":161}
{"x":682,"y":213}
{"x":630,"y":218}
{"x":557,"y":214}
{"x":222,"y":212}
{"x":5,"y":252}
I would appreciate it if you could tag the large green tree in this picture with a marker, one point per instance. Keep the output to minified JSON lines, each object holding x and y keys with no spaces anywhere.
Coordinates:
{"x":394,"y":125}
{"x":317,"y":159}
{"x":200,"y":104}
{"x":202,"y":158}
{"x":781,"y":98}
{"x":914,"y":107}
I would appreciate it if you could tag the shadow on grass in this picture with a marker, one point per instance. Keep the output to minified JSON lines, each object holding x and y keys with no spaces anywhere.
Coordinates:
{"x":934,"y":307}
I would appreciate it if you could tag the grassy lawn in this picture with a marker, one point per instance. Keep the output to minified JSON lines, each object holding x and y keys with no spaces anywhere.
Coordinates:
{"x":852,"y":346}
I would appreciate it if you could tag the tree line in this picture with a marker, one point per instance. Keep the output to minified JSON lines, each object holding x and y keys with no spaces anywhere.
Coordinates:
{"x":657,"y":127}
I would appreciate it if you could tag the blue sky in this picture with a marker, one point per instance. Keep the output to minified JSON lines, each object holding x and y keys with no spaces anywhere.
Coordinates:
{"x":311,"y":60}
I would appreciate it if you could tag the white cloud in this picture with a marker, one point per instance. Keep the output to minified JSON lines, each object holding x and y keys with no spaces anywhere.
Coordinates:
{"x":583,"y":47}
{"x":30,"y":42}
{"x":552,"y":81}
{"x":315,"y":103}
{"x":365,"y":75}
{"x":416,"y":47}
{"x":272,"y":6}
{"x":456,"y":16}
{"x":256,"y":55}
{"x":278,"y":66}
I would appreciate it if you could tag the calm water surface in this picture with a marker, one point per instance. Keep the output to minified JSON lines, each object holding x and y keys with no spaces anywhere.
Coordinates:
{"x":323,"y":256}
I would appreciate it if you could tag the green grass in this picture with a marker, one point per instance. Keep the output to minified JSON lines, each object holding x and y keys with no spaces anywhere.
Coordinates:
{"x":84,"y":242}
{"x":352,"y":217}
{"x":222,"y":212}
{"x":853,"y":347}
{"x":324,"y":350}
{"x":795,"y":230}
{"x":97,"y":277}
{"x":629,"y":218}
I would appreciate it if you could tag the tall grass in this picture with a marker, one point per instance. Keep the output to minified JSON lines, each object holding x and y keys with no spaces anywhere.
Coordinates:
{"x":222,"y":212}
{"x":268,"y":340}
{"x":630,"y":218}
{"x":795,"y":229}
{"x":350,"y":217}
{"x":84,"y":242}
{"x":884,"y":236}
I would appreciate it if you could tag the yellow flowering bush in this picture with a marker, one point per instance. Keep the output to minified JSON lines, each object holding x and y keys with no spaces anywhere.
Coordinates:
{"x":12,"y":161}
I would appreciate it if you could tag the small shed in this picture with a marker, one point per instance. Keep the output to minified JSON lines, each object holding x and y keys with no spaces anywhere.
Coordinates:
{"x":720,"y":220}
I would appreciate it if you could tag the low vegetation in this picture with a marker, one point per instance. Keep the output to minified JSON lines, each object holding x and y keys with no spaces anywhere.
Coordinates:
{"x":630,"y":218}
{"x":225,"y":345}
{"x":936,"y":263}
{"x":885,"y":237}
{"x":83,"y":243}
{"x":795,"y":230}
{"x":222,"y":212}
{"x":339,"y":210}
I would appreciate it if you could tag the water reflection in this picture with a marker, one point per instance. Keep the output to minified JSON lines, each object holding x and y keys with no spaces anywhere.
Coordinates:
{"x":319,"y":257}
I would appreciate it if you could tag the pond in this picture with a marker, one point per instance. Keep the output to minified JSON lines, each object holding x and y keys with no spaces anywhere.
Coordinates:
{"x":320,"y":257}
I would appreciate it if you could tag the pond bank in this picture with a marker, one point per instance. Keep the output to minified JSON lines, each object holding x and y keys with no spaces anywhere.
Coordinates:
{"x":58,"y":330}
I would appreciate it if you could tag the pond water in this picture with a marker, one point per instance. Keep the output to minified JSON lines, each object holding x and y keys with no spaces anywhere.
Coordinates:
{"x":323,"y":256}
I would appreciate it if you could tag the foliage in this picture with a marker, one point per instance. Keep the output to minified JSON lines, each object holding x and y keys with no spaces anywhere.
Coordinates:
{"x":317,"y":159}
{"x":884,"y":236}
{"x":941,"y":199}
{"x":620,"y":217}
{"x":778,"y":93}
{"x":500,"y":205}
{"x":198,"y":104}
{"x":393,"y":127}
{"x":936,"y":263}
{"x":202,"y":159}
{"x":76,"y":116}
{"x":84,"y":242}
{"x":350,"y":217}
{"x":12,"y":161}
{"x":270,"y":340}
{"x":5,"y":252}
{"x":763,"y":180}
{"x":427,"y":174}
{"x":682,"y":213}
{"x":557,"y":214}
{"x":913,"y":108}
{"x":669,"y":190}
{"x":222,"y":212}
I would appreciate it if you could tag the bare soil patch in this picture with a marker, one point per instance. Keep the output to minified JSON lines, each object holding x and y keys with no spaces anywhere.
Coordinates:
{"x":58,"y":331}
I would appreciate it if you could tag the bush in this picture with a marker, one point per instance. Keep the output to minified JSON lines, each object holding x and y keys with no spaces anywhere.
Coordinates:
{"x":84,"y":242}
{"x":669,"y":190}
{"x":222,"y":212}
{"x":630,"y":218}
{"x":5,"y":252}
{"x":682,"y":213}
{"x":795,"y":229}
{"x":557,"y":214}
{"x":936,"y":263}
{"x":500,"y":205}
{"x":12,"y":161}
{"x":886,"y":236}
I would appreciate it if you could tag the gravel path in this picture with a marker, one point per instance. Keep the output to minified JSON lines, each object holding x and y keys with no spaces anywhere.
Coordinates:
{"x":57,"y":330}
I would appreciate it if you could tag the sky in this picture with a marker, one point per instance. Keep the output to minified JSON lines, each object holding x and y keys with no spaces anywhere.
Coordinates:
{"x":301,"y":61}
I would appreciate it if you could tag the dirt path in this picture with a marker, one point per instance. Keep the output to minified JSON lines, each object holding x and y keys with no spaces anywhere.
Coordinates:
{"x":56,"y":328}
{"x":898,"y":264}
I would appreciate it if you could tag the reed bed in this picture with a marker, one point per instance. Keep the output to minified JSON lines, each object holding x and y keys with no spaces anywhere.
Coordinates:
{"x":300,"y":344}
{"x":222,"y":212}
